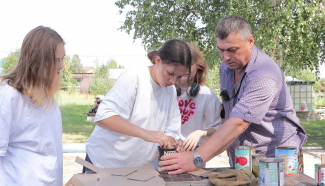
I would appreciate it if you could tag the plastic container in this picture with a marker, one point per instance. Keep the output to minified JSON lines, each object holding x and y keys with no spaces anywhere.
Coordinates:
{"x":302,"y":95}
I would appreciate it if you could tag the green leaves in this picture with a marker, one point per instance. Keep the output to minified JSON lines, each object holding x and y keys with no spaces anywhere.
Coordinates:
{"x":101,"y":83}
{"x":290,"y":32}
{"x":10,"y":62}
{"x":66,"y":77}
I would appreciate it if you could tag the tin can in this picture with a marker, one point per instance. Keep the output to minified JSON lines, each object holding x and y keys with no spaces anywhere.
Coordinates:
{"x":290,"y":158}
{"x":243,"y":157}
{"x":256,"y":163}
{"x":319,"y":174}
{"x":162,"y":152}
{"x":271,"y":172}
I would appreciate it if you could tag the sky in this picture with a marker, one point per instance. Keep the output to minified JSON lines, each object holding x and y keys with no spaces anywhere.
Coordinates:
{"x":89,"y":29}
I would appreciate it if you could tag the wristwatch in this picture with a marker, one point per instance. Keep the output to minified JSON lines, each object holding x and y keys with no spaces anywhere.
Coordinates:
{"x":198,"y":161}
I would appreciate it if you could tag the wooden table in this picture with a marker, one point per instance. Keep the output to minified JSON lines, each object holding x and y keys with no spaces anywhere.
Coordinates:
{"x":187,"y":179}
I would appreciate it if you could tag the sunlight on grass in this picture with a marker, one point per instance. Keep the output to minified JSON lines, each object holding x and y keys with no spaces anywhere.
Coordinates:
{"x":75,"y":138}
{"x":68,"y":98}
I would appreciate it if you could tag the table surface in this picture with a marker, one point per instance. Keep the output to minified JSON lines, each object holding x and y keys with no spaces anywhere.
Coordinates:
{"x":189,"y":179}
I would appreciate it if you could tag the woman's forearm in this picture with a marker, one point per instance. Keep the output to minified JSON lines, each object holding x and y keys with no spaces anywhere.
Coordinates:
{"x":120,"y":125}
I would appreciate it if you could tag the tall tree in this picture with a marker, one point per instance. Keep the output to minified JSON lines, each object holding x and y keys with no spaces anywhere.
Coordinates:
{"x":290,"y":31}
{"x":76,"y":65}
{"x":101,"y":83}
{"x":11,"y":61}
{"x":66,"y":77}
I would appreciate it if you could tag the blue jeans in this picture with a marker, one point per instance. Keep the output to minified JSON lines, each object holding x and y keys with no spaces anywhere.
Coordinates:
{"x":85,"y":170}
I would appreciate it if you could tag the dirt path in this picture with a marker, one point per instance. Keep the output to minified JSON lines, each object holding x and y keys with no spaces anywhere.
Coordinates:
{"x":311,"y":157}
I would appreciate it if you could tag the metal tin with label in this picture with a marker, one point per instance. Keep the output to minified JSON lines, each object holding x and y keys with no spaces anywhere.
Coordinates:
{"x":256,"y":162}
{"x":319,"y":174}
{"x":243,"y":157}
{"x":290,"y":158}
{"x":271,"y":172}
{"x":163,"y":152}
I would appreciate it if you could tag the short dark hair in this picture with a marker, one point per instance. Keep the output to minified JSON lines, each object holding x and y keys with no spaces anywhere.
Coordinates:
{"x":173,"y":52}
{"x":233,"y":23}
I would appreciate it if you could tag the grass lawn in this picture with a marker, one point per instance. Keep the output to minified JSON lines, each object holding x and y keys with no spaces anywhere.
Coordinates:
{"x":76,"y":128}
{"x":316,"y":133}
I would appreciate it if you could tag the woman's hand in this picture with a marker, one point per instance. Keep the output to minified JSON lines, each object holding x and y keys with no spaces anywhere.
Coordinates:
{"x":156,"y":137}
{"x":179,"y":146}
{"x":192,"y":140}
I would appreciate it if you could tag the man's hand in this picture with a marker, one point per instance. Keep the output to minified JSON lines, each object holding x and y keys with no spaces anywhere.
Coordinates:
{"x":177,"y":163}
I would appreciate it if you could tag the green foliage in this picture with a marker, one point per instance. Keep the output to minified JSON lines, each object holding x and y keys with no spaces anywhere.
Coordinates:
{"x":287,"y":30}
{"x":213,"y":78}
{"x":11,"y":61}
{"x":101,"y":83}
{"x":319,"y":101}
{"x":76,"y":65}
{"x":66,"y":77}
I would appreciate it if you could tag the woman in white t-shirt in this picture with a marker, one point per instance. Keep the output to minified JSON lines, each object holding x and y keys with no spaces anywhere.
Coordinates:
{"x":30,"y":120}
{"x":140,"y":112}
{"x":199,"y":106}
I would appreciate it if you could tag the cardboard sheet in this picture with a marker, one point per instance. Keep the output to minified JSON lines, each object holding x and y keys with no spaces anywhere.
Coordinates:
{"x":143,"y":176}
{"x":123,"y":172}
{"x":323,"y":159}
{"x":84,"y":179}
{"x":135,"y":176}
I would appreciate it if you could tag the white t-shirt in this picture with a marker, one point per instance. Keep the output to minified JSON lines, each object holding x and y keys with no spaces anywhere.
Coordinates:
{"x":199,"y":112}
{"x":138,"y":99}
{"x":30,"y":141}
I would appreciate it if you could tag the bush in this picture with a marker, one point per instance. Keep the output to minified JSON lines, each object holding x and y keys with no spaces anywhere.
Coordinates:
{"x":213,"y":79}
{"x":11,"y":61}
{"x":101,"y":83}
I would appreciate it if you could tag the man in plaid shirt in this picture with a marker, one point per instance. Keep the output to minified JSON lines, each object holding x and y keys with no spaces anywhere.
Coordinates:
{"x":257,"y":103}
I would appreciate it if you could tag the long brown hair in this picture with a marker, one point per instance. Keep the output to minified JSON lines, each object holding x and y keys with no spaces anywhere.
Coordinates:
{"x":202,"y":67}
{"x":36,"y":72}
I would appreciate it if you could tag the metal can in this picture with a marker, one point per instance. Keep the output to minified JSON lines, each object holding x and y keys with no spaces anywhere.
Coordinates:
{"x":243,"y":157}
{"x":256,"y":163}
{"x":163,"y":152}
{"x":290,"y":158}
{"x":319,"y":174}
{"x":271,"y":172}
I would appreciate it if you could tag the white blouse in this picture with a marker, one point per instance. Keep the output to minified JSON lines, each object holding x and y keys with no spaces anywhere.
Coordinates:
{"x":138,"y":99}
{"x":30,"y":141}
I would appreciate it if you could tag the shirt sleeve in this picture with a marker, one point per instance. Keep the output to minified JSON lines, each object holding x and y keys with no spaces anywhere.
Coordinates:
{"x":256,"y":99}
{"x":212,"y":111}
{"x":173,"y":126}
{"x":120,"y":99}
{"x":5,"y":128}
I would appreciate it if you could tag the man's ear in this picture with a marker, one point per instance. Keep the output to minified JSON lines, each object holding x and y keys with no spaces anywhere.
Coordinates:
{"x":250,"y":41}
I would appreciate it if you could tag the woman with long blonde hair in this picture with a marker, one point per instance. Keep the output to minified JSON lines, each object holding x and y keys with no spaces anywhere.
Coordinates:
{"x":30,"y":119}
{"x":199,"y":106}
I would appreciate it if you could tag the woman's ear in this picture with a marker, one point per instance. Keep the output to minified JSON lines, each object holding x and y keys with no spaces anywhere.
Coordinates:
{"x":158,"y":60}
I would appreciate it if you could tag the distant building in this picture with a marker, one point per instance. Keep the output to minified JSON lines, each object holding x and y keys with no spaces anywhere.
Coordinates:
{"x":88,"y":69}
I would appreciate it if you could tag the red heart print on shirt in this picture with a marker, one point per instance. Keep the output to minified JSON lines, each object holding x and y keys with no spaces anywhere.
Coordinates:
{"x":187,"y":108}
